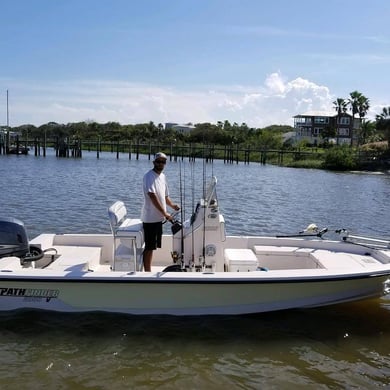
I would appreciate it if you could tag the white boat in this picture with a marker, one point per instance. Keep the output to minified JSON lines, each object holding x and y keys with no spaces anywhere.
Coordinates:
{"x":199,"y":270}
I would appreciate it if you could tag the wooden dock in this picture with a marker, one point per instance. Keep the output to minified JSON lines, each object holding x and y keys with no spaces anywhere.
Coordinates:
{"x":74,"y":149}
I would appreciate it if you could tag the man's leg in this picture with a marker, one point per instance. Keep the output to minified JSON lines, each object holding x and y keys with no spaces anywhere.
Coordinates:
{"x":152,"y":234}
{"x":147,"y":258}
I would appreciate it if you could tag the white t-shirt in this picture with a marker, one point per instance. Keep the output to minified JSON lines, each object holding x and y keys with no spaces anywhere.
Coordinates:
{"x":157,"y":184}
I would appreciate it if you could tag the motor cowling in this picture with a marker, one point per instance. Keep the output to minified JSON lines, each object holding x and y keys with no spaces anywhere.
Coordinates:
{"x":13,"y":238}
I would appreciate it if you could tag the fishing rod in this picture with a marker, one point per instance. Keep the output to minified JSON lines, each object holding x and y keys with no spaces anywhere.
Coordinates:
{"x":204,"y":212}
{"x":181,"y":216}
{"x":193,"y":210}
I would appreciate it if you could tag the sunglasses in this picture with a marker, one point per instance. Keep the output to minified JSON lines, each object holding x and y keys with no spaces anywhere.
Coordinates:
{"x":160,"y":162}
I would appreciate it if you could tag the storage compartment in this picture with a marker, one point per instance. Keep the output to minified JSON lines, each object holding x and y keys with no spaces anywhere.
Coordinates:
{"x":240,"y":260}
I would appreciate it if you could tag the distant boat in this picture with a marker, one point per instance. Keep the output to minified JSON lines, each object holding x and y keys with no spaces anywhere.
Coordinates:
{"x":18,"y":150}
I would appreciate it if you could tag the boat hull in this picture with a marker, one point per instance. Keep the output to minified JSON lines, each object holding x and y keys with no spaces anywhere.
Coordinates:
{"x":176,"y":295}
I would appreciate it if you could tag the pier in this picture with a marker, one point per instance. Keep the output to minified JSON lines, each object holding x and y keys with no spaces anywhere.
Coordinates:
{"x":229,"y":154}
{"x":74,"y":148}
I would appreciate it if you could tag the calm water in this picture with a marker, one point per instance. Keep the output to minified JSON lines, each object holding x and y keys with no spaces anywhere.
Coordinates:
{"x":346,"y":346}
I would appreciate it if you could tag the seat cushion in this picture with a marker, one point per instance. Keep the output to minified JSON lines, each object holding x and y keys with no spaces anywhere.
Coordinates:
{"x":131,"y":228}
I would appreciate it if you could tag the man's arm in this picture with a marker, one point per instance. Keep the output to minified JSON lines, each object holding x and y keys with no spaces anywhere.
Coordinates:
{"x":171,"y":204}
{"x":157,"y":204}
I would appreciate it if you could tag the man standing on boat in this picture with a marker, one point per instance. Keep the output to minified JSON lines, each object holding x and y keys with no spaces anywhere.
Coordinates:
{"x":154,"y":210}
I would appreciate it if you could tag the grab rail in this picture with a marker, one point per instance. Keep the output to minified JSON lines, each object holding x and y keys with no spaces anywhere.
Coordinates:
{"x":364,"y":240}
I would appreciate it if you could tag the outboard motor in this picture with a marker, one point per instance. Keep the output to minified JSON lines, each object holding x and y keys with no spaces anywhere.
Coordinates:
{"x":14,"y":243}
{"x":13,"y":238}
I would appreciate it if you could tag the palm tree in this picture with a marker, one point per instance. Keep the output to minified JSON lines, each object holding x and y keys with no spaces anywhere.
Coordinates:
{"x":383,"y":123}
{"x":367,"y":132}
{"x":363,"y":107}
{"x":359,"y":104}
{"x":353,"y":102}
{"x":340,"y":106}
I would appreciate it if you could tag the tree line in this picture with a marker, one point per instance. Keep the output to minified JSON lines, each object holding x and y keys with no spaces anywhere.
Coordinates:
{"x":221,"y":133}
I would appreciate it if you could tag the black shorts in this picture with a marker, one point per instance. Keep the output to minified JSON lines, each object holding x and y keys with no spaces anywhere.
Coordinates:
{"x":152,"y":233}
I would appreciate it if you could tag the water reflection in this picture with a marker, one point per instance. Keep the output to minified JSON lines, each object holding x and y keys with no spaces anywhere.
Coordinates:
{"x":342,"y":346}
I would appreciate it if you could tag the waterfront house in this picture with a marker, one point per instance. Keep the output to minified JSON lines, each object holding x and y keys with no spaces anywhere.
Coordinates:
{"x":319,"y":127}
{"x":180,"y":128}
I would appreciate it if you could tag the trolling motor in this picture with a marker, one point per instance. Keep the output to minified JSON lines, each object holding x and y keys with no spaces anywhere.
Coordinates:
{"x":14,"y":241}
{"x":311,"y":231}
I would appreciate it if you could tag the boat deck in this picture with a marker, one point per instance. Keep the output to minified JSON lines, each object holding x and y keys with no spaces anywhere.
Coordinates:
{"x":78,"y":254}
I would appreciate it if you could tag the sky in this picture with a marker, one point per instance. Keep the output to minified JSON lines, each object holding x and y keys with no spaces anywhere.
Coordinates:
{"x":133,"y":61}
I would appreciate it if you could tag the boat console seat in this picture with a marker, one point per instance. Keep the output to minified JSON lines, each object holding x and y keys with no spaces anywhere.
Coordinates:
{"x":121,"y":226}
{"x":128,"y":238}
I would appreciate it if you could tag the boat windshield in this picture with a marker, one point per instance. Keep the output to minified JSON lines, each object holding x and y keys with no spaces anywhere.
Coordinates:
{"x":211,"y":190}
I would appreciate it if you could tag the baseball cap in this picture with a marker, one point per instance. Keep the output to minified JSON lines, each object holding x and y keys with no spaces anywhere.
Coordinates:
{"x":160,"y":155}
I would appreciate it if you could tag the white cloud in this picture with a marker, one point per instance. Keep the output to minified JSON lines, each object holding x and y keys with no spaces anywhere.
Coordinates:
{"x":274,"y":102}
{"x":278,"y":101}
{"x":275,"y":83}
